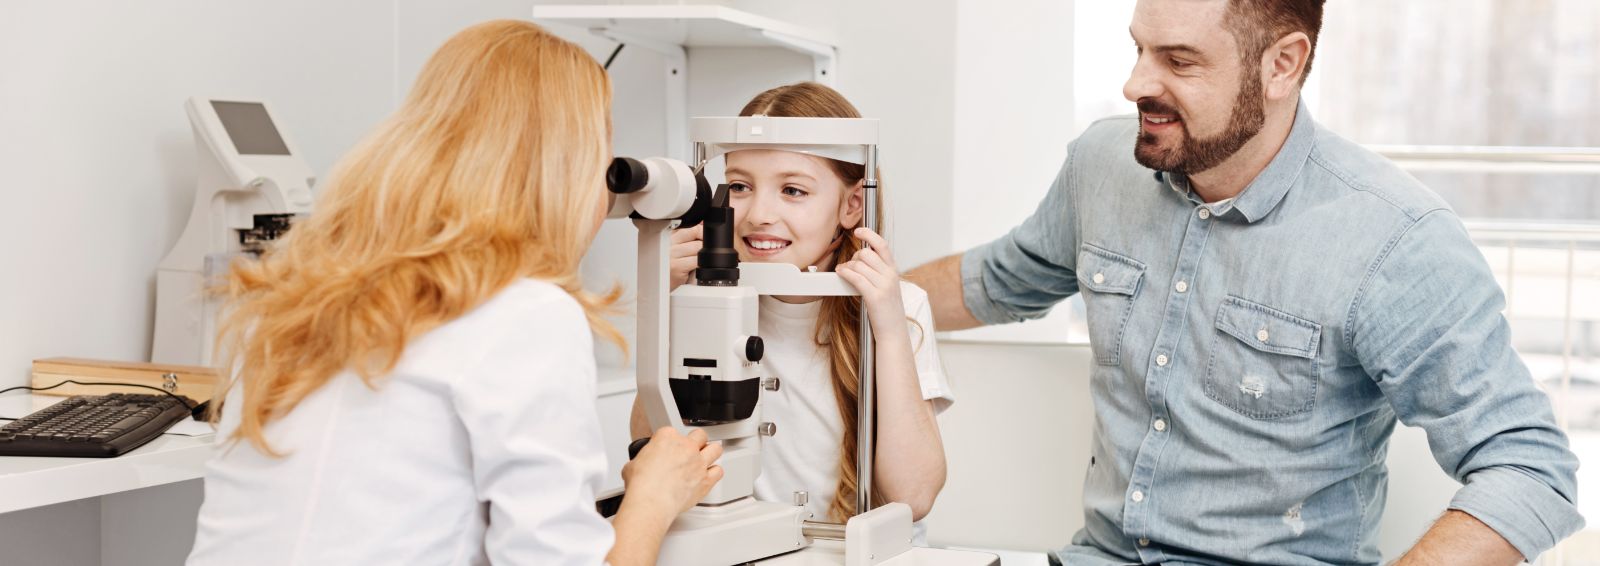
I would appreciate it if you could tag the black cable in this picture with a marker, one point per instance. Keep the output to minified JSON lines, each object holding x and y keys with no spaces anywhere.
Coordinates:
{"x":613,"y":56}
{"x":180,"y":398}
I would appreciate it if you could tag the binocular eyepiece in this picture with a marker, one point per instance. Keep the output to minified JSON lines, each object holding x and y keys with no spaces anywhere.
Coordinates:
{"x":627,"y":175}
{"x":661,"y":189}
{"x":658,"y":188}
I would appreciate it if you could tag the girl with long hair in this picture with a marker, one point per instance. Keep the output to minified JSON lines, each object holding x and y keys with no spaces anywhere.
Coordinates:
{"x":807,"y":210}
{"x":412,"y":368}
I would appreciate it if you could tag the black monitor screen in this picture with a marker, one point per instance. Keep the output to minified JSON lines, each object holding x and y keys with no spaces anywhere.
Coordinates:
{"x":250,"y":127}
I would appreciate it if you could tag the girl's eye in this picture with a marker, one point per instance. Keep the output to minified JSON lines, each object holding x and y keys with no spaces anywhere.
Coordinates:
{"x":738,"y":187}
{"x":794,"y":191}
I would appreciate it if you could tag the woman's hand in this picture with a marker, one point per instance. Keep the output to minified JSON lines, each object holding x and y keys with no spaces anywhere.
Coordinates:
{"x":686,"y":244}
{"x":872,"y":272}
{"x":672,"y":472}
{"x":670,"y":475}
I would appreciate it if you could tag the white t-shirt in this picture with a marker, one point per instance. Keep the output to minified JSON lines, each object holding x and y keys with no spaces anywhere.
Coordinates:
{"x":804,"y":454}
{"x":483,"y":445}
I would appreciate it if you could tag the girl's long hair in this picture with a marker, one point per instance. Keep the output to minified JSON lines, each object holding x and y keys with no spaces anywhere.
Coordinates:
{"x":492,"y":170}
{"x":839,"y":323}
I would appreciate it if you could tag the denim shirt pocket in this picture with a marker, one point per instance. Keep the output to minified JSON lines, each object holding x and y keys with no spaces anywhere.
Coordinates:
{"x":1263,"y":361}
{"x":1112,"y":281}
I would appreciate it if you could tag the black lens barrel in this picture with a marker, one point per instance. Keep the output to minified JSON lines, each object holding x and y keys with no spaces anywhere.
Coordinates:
{"x":626,"y":175}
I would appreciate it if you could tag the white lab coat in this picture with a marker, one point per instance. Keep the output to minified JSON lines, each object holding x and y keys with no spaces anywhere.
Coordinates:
{"x":483,"y":445}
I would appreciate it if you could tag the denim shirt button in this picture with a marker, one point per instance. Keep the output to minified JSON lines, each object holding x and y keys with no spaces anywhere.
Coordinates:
{"x":1161,"y":425}
{"x":1161,"y":360}
{"x":1138,"y":496}
{"x":1099,"y":278}
{"x":1144,"y":542}
{"x":1262,"y":335}
{"x":1182,"y":286}
{"x":1205,"y":213}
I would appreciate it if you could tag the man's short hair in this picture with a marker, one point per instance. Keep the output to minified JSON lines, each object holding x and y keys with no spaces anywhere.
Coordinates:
{"x":1257,"y":24}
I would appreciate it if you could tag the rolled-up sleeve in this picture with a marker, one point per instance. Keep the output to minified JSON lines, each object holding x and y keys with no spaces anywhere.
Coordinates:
{"x":1427,"y":326}
{"x":1023,"y":274}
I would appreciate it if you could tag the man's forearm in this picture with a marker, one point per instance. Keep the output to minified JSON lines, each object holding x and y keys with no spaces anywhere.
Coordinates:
{"x":1460,"y":538}
{"x":941,"y":278}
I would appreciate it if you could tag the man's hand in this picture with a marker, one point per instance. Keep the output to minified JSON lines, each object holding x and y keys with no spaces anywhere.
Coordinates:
{"x":1458,"y":538}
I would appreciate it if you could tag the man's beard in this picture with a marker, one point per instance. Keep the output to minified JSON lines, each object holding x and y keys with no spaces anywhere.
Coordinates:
{"x":1196,"y":155}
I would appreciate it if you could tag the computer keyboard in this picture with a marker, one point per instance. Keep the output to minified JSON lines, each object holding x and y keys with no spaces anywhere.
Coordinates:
{"x":93,"y":426}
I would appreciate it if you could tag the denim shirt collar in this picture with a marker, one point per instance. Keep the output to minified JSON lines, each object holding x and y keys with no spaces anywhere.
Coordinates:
{"x":1267,"y":190}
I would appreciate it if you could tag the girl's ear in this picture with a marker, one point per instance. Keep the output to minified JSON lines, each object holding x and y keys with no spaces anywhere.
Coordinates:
{"x":851,"y":207}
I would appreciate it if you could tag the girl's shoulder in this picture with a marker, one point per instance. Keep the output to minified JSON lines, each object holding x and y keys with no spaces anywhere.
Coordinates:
{"x":914,"y":297}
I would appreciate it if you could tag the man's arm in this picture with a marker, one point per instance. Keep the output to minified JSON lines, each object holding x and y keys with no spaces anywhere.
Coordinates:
{"x":1426,"y":325}
{"x":1016,"y":277}
{"x":941,"y":278}
{"x":1457,"y":535}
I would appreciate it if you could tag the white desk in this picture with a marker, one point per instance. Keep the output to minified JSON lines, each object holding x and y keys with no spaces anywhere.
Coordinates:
{"x":29,"y":482}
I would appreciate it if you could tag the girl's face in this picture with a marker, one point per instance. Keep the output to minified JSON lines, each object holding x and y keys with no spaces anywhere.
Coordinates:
{"x":788,"y":207}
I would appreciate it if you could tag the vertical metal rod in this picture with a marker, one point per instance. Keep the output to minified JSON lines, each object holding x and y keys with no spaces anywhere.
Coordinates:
{"x":866,"y":421}
{"x":653,"y":307}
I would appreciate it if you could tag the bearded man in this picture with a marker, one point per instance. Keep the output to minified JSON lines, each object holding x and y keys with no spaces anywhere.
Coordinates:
{"x":1265,"y":300}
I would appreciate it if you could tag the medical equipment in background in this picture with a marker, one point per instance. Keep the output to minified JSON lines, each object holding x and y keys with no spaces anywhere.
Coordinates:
{"x":252,"y":183}
{"x":705,"y":371}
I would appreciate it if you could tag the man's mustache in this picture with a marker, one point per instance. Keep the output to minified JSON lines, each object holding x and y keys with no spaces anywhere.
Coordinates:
{"x":1152,"y":106}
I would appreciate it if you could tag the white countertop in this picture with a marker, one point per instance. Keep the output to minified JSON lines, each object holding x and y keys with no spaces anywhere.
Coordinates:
{"x":27,"y":482}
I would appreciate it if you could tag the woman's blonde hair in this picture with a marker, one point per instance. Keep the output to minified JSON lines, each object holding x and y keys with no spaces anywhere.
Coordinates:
{"x":492,"y":170}
{"x":839,"y":324}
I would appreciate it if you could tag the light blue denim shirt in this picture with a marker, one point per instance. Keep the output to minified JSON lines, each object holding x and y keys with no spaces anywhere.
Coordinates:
{"x":1253,"y":356}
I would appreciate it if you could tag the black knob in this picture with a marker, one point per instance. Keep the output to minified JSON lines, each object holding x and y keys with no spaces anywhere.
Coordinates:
{"x":637,"y":445}
{"x":626,"y":175}
{"x":754,"y":349}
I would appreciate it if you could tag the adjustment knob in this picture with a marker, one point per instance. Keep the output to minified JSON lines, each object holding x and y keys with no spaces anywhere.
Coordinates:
{"x":754,"y":349}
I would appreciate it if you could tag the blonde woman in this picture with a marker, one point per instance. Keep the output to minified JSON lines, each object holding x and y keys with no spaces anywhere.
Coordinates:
{"x":415,"y":377}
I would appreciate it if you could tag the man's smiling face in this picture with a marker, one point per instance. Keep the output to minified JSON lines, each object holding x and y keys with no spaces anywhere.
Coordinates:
{"x":1199,"y":102}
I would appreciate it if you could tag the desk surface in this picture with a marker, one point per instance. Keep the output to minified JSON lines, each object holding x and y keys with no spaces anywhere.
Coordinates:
{"x":28,"y":482}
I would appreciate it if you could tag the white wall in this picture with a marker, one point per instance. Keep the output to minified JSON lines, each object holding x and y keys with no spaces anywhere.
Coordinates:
{"x":1017,"y":446}
{"x":99,"y":174}
{"x":1014,"y":109}
{"x":1014,"y":118}
{"x":97,"y":153}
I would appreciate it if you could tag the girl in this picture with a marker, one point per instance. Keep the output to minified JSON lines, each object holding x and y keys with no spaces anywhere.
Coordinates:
{"x":414,"y":376}
{"x":806,"y":210}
